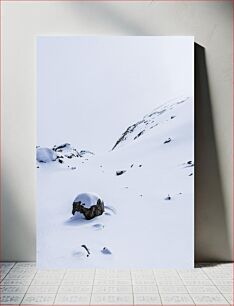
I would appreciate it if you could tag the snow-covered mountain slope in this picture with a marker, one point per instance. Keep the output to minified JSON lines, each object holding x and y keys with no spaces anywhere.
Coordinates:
{"x":158,"y":116}
{"x":148,"y":218}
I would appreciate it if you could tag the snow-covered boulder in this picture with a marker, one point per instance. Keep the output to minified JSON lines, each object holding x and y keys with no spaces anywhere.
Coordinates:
{"x":88,"y":204}
{"x":45,"y":155}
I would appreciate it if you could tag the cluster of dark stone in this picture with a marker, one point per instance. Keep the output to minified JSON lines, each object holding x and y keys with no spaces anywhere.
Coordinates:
{"x":91,"y":212}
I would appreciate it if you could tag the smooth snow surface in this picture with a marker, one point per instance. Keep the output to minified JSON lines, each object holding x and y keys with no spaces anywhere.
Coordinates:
{"x":139,"y":227}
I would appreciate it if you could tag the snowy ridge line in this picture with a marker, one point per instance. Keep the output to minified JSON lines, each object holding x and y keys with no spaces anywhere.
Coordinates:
{"x":149,"y":121}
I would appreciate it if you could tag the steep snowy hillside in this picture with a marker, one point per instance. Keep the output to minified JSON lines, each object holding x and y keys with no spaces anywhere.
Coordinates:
{"x":158,"y":116}
{"x":146,"y":183}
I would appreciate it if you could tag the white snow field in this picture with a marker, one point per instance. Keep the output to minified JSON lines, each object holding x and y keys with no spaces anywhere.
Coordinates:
{"x":149,"y":209}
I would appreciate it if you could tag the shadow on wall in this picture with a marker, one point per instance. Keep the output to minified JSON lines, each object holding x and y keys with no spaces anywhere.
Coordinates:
{"x":211,"y":232}
{"x":18,"y":235}
{"x":110,"y":16}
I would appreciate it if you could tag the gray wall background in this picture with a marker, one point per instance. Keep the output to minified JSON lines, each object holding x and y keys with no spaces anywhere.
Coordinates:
{"x":211,"y":24}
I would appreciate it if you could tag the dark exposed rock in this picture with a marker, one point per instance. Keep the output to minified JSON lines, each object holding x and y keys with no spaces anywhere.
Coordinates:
{"x":87,"y":250}
{"x":167,"y":141}
{"x":60,"y":161}
{"x":168,"y":197}
{"x":138,"y":135}
{"x":120,"y":172}
{"x":106,"y":251}
{"x":91,"y":212}
{"x":148,"y":122}
{"x":70,"y":156}
{"x":130,"y":129}
{"x":58,"y":148}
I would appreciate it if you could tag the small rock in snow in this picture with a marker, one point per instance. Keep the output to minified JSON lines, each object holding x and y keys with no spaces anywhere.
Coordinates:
{"x":168,"y":197}
{"x":140,"y":166}
{"x":73,"y":168}
{"x":120,"y":172}
{"x":106,"y":251}
{"x":87,"y":250}
{"x":172,"y":117}
{"x":167,"y":141}
{"x":139,"y":134}
{"x":132,"y":165}
{"x":190,"y":174}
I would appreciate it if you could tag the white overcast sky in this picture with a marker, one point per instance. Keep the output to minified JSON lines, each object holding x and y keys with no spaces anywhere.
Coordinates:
{"x":91,"y":88}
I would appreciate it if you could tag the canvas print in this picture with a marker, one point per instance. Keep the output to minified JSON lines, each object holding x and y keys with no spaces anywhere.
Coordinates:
{"x":115,"y":152}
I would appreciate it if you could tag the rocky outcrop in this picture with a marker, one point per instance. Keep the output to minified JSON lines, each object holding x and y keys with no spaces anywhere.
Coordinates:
{"x":150,"y":121}
{"x":120,"y":172}
{"x":90,"y":211}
